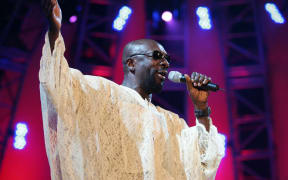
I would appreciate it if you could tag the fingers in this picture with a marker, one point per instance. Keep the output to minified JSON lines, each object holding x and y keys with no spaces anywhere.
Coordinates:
{"x":189,"y":84}
{"x":206,"y":80}
{"x":48,"y":5}
{"x":199,"y":79}
{"x":188,"y":81}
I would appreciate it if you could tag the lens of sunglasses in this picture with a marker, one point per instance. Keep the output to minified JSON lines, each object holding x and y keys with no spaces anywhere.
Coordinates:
{"x":159,"y":55}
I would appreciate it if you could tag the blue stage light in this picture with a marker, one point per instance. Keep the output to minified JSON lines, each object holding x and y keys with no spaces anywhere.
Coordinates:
{"x":20,"y":133}
{"x":121,"y":19}
{"x":119,"y":23}
{"x":156,"y":16}
{"x":204,"y":17}
{"x":274,"y":12}
{"x":19,"y":142}
{"x":125,"y":12}
{"x":21,"y":129}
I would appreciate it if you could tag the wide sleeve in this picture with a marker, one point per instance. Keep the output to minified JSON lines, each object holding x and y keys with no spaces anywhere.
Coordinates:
{"x":211,"y":147}
{"x":64,"y":100}
{"x":66,"y":87}
{"x":62,"y":91}
{"x":201,"y":151}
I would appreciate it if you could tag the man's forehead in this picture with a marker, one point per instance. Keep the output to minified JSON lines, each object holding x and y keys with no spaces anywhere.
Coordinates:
{"x":149,"y":45}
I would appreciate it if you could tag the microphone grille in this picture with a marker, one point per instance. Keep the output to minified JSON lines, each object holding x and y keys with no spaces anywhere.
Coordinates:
{"x":174,"y":76}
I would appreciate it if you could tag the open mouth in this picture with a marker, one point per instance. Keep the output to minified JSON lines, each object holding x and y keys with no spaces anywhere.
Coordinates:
{"x":162,"y":74}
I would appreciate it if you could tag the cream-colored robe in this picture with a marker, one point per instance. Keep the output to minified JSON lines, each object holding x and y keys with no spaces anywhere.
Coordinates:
{"x":97,"y":129}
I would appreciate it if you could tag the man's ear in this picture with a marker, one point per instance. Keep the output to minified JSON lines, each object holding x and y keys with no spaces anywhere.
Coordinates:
{"x":131,"y":65}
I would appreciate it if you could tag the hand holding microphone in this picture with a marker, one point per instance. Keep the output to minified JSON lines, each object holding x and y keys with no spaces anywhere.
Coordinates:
{"x":198,"y":87}
{"x":200,"y":82}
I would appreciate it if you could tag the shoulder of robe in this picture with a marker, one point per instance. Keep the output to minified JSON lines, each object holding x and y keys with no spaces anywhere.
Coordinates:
{"x":172,"y":117}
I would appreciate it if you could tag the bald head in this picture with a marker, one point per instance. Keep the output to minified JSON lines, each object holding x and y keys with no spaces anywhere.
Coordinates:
{"x":140,"y":46}
{"x":144,"y":72}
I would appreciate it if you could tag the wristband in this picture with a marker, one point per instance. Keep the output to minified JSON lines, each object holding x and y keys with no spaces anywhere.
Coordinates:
{"x":202,"y":113}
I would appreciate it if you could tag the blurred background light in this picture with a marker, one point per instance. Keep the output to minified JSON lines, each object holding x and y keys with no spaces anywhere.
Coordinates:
{"x":73,"y":19}
{"x":204,"y":17}
{"x":167,"y":16}
{"x":274,"y":12}
{"x":156,"y":16}
{"x":21,"y":129}
{"x":20,"y":133}
{"x":121,"y":19}
{"x":125,"y":12}
{"x":19,"y":142}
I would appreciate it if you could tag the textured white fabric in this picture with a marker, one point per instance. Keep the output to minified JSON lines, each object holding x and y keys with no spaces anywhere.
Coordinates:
{"x":96,"y":129}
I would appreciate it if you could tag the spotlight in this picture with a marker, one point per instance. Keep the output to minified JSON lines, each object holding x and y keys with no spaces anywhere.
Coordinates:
{"x":121,"y":19}
{"x":21,"y":129}
{"x":167,"y":16}
{"x":73,"y":19}
{"x":20,"y":133}
{"x":125,"y":12}
{"x":19,"y":142}
{"x":204,"y":17}
{"x":119,"y":23}
{"x":274,"y":12}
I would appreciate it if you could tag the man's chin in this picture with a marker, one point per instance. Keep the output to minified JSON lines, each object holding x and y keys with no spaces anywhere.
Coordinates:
{"x":158,"y":88}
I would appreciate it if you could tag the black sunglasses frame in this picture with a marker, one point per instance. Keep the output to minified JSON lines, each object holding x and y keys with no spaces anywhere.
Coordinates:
{"x":158,"y":55}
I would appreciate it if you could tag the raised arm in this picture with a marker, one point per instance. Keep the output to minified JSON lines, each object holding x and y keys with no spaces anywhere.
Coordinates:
{"x":55,"y":75}
{"x":54,"y":15}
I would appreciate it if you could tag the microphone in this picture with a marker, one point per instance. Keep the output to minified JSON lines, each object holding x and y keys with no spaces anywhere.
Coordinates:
{"x":177,"y":77}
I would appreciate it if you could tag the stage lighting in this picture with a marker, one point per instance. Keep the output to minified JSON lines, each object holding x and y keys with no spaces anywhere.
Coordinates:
{"x":21,"y":129}
{"x":121,"y":19}
{"x":156,"y":16}
{"x":274,"y":12}
{"x":73,"y":19}
{"x":20,"y":133}
{"x":204,"y":17}
{"x":118,"y":24}
{"x":167,"y":16}
{"x":19,"y":142}
{"x":125,"y":12}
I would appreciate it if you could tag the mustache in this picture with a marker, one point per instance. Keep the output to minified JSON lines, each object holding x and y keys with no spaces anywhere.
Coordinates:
{"x":163,"y":71}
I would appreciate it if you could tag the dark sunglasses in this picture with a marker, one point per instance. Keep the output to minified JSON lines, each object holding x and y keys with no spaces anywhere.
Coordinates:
{"x":157,"y":55}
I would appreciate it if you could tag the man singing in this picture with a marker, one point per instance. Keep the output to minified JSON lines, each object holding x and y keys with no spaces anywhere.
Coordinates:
{"x":97,"y":129}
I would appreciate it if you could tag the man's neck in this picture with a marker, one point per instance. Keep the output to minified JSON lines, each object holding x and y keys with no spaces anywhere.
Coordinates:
{"x":140,"y":91}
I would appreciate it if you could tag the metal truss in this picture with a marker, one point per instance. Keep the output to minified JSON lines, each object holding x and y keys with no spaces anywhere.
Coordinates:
{"x":97,"y":43}
{"x":247,"y":88}
{"x":15,"y":54}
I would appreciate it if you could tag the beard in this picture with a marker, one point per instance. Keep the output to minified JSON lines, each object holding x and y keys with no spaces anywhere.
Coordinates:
{"x":152,"y":84}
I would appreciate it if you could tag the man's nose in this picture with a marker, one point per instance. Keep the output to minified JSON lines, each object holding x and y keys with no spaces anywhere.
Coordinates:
{"x":164,"y":63}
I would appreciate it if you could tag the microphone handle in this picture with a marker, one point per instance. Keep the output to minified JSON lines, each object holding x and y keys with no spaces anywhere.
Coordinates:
{"x":208,"y":87}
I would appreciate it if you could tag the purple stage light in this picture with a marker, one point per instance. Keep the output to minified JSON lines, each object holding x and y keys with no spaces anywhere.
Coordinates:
{"x":167,"y":16}
{"x":73,"y":19}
